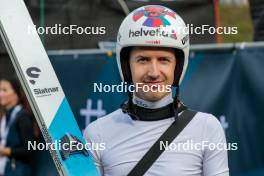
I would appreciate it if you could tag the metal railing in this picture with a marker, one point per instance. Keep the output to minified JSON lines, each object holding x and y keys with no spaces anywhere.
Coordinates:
{"x":195,"y":47}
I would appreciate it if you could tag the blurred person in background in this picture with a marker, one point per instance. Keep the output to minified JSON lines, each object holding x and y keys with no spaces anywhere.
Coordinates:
{"x":16,"y":129}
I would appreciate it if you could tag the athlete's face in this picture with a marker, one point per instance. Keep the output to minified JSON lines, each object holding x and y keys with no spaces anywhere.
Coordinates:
{"x":153,"y":68}
{"x":8,"y":97}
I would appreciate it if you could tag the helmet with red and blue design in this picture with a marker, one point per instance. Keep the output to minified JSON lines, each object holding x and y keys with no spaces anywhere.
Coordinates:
{"x":154,"y":26}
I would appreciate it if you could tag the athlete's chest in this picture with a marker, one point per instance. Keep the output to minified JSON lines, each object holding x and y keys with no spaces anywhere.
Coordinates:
{"x":125,"y":150}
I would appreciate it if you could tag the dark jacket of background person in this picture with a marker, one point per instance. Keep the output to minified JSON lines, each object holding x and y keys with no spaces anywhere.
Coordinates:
{"x":21,"y":131}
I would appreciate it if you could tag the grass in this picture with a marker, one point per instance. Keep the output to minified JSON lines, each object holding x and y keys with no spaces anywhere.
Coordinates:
{"x":239,"y":17}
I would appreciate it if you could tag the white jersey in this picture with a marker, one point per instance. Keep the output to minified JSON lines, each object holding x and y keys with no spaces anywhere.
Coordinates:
{"x":126,"y":141}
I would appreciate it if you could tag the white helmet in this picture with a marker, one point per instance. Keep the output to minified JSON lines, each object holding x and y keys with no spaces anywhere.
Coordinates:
{"x":157,"y":26}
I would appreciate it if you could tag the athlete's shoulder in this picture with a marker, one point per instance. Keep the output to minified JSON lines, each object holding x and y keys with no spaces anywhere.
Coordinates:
{"x":107,"y":120}
{"x":114,"y":116}
{"x":211,"y":126}
{"x":206,"y":120}
{"x":211,"y":120}
{"x":105,"y":125}
{"x":203,"y":116}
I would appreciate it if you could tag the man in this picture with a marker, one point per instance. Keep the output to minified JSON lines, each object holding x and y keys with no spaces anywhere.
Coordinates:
{"x":152,"y":50}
